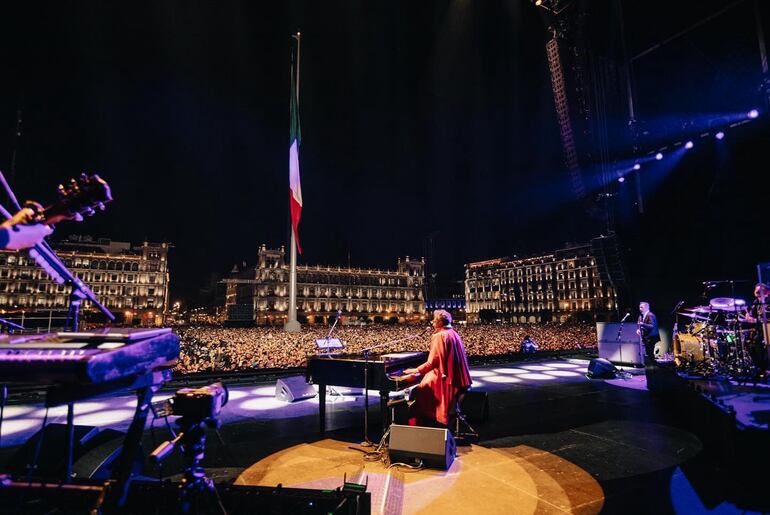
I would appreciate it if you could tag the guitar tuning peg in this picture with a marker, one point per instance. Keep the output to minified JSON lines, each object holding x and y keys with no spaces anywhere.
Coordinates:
{"x":61,"y":191}
{"x":78,"y":217}
{"x":90,"y":212}
{"x":101,"y":206}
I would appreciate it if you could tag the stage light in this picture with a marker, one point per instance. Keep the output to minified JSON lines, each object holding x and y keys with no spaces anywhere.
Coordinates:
{"x":688,"y":145}
{"x":508,"y":371}
{"x":720,"y":135}
{"x":560,"y":364}
{"x":753,"y":114}
{"x":637,"y":166}
{"x":621,"y":179}
{"x":502,"y":379}
{"x":536,"y":376}
{"x":538,"y":3}
{"x":562,"y":373}
{"x":536,"y":367}
{"x":658,"y":156}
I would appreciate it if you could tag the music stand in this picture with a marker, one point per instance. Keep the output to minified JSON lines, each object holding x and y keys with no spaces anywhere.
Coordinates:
{"x":329,"y":345}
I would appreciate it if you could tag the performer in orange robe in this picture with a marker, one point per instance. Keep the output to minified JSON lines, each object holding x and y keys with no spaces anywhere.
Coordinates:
{"x":444,"y":374}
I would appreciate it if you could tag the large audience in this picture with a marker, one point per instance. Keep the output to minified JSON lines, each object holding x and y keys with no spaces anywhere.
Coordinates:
{"x":206,"y":349}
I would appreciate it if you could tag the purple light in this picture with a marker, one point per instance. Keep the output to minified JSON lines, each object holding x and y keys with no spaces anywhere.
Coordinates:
{"x":658,"y":156}
{"x":753,"y":114}
{"x":688,"y":145}
{"x":637,"y":166}
{"x":720,"y":135}
{"x":621,"y":179}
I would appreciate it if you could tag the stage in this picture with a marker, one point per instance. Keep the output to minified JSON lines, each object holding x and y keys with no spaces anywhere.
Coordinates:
{"x":555,"y":442}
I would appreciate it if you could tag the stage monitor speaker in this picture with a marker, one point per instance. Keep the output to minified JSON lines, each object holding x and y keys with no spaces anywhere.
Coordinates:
{"x":600,"y":368}
{"x":101,"y":455}
{"x":52,"y":458}
{"x":475,"y":406}
{"x":294,"y":388}
{"x":434,"y":446}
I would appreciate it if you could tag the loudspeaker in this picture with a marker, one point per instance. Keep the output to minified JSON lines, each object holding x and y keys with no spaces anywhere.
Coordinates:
{"x":434,"y":446}
{"x":52,"y":459}
{"x":101,"y":455}
{"x":600,"y":368}
{"x":93,"y":453}
{"x":475,"y":406}
{"x":294,"y":388}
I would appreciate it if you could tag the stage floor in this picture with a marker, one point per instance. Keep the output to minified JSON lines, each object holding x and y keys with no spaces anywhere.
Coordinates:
{"x":555,"y":442}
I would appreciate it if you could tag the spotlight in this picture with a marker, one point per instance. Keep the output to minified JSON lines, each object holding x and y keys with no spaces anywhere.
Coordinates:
{"x":538,"y":2}
{"x":753,"y":114}
{"x":720,"y":135}
{"x":637,"y":166}
{"x":658,"y":156}
{"x":621,"y":179}
{"x":688,"y":145}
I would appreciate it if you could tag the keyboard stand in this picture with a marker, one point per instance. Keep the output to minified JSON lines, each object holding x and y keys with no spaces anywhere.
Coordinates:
{"x":145,"y":385}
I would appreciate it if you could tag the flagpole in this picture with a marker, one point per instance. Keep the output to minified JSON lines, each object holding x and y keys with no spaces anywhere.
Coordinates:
{"x":292,"y":325}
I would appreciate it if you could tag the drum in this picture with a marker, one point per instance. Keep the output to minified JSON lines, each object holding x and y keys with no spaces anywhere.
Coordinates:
{"x":697,"y":327}
{"x":688,"y":347}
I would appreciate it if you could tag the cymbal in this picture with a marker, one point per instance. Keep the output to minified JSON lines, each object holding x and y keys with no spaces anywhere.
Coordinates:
{"x":700,"y":309}
{"x":726,"y":303}
{"x":694,"y":316}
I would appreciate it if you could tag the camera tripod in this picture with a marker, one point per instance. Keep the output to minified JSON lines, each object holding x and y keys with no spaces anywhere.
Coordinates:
{"x":197,"y":493}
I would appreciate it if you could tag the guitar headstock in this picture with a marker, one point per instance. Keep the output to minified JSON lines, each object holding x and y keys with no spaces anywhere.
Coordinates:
{"x":80,"y":197}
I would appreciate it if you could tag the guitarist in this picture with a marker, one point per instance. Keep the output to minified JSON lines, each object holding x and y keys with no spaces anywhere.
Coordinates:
{"x":21,"y":232}
{"x":648,"y":329}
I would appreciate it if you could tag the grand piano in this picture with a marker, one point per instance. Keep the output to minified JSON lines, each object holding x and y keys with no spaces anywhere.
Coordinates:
{"x":383,"y":374}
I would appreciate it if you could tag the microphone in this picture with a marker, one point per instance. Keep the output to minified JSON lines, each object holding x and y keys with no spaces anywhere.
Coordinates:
{"x":428,"y":329}
{"x":625,"y":317}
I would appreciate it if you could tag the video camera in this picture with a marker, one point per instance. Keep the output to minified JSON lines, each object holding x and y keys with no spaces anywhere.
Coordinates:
{"x":203,"y":402}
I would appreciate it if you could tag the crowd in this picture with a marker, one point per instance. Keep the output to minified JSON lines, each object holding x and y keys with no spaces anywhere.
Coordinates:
{"x":233,"y":349}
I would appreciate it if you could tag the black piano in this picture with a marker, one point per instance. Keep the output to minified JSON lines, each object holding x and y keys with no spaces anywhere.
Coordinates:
{"x":348,"y":370}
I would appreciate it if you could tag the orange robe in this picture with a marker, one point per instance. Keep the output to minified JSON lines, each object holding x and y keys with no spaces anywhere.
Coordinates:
{"x":444,"y":375}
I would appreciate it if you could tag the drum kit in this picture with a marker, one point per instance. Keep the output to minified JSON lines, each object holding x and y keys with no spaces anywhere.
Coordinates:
{"x":713,"y":340}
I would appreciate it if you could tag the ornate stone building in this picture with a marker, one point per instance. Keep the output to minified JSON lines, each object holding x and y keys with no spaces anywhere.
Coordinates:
{"x":552,"y":286}
{"x":131,"y":280}
{"x":260,"y":294}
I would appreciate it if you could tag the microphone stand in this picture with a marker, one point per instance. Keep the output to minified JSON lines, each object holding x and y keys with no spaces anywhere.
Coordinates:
{"x":620,"y":344}
{"x":367,"y":442}
{"x":10,"y":326}
{"x":329,"y":388}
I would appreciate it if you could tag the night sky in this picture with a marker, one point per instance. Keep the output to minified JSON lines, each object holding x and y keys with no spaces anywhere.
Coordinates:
{"x":418,"y":118}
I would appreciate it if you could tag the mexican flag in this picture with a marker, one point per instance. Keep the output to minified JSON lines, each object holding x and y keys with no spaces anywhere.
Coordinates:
{"x":295,"y":191}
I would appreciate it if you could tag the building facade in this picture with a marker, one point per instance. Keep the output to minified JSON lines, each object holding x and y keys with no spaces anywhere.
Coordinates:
{"x":131,"y":280}
{"x":555,"y":286}
{"x":260,"y":294}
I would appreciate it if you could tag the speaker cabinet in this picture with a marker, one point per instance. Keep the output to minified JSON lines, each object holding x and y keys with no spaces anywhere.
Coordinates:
{"x":600,"y":368}
{"x":619,"y":343}
{"x":93,"y":453}
{"x":294,"y":388}
{"x":434,"y":446}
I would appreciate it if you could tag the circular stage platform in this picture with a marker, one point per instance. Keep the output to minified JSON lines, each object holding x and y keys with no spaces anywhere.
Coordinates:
{"x":519,"y":479}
